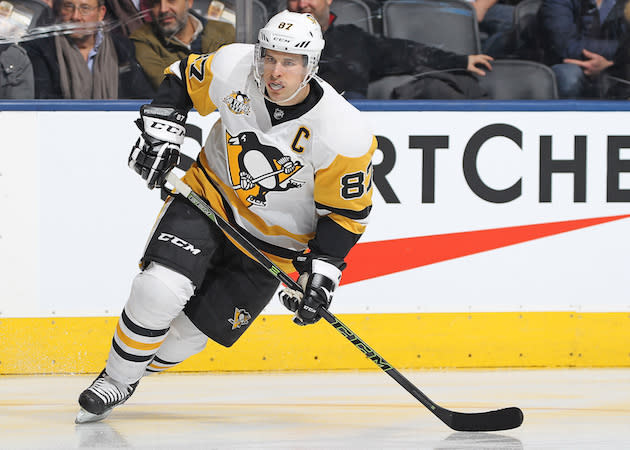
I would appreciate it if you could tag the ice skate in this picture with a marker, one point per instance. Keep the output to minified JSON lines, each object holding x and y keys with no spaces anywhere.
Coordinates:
{"x":86,"y":417}
{"x":101,"y":397}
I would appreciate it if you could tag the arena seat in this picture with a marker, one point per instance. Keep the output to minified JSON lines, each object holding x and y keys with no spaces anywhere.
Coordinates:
{"x":447,"y":24}
{"x":513,"y":79}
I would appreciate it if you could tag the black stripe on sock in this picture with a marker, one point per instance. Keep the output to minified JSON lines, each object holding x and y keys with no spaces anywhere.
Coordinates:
{"x":128,"y":356}
{"x":137,"y":329}
{"x":161,"y":361}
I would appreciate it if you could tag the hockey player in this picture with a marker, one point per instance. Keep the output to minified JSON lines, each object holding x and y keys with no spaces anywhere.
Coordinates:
{"x":288,"y":164}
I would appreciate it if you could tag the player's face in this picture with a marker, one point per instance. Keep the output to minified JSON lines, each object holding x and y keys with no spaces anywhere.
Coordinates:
{"x":81,"y":11}
{"x":170,"y":15}
{"x":282,"y":74}
{"x":320,"y":9}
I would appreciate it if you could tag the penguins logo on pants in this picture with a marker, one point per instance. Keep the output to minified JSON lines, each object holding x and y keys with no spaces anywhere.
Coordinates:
{"x":241,"y":317}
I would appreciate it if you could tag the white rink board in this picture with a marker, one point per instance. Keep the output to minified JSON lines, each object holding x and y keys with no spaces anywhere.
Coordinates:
{"x":74,"y":219}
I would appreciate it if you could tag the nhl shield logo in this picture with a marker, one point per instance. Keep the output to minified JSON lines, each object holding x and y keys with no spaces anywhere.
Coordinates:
{"x":237,"y":102}
{"x":241,"y":317}
{"x":278,"y":114}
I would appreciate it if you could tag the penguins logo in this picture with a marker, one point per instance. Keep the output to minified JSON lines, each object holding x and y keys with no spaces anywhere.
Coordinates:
{"x":237,"y":102}
{"x":241,"y":317}
{"x":257,"y":169}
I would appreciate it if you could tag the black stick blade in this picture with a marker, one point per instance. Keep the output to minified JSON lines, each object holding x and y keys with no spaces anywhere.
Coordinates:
{"x":500,"y":419}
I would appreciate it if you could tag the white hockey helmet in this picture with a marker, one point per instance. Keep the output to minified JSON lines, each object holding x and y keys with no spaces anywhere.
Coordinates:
{"x":290,"y":32}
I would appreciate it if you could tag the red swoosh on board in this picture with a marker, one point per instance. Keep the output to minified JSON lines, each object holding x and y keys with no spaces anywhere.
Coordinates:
{"x":374,"y":259}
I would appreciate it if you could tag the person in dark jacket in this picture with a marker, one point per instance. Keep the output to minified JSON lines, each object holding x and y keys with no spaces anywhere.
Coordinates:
{"x":616,"y":79}
{"x":16,"y":73}
{"x":581,"y":38}
{"x":123,"y":16}
{"x":352,"y":57}
{"x":86,"y":62}
{"x":175,"y":32}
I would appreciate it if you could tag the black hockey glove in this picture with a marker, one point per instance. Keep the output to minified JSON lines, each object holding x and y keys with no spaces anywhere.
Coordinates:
{"x":156,"y":151}
{"x":319,"y":276}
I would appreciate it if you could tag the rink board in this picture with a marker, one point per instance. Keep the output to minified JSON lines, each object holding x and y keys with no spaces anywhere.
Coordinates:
{"x":499,"y":237}
{"x":431,"y":340}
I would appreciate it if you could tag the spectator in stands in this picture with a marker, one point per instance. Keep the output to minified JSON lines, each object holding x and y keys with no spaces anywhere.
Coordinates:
{"x":47,"y":16}
{"x":16,"y":73}
{"x":123,"y":16}
{"x":496,"y":22}
{"x":581,"y":38}
{"x":616,"y":79}
{"x":175,"y":32}
{"x":86,"y":62}
{"x":352,"y":57}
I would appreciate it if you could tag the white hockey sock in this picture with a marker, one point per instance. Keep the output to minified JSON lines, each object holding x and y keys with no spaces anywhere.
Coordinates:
{"x":158,"y":295}
{"x":182,"y":341}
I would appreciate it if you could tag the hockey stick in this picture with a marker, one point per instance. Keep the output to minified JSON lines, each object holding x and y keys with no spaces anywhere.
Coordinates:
{"x":500,"y":419}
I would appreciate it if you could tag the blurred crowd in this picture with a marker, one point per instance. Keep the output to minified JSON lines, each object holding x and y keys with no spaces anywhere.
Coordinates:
{"x":379,"y":49}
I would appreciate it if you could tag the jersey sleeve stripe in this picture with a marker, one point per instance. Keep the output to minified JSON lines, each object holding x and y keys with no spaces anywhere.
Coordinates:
{"x":176,"y":69}
{"x":349,"y":225}
{"x":349,"y":213}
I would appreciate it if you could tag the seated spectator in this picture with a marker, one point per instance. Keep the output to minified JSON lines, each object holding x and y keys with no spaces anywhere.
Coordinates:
{"x":352,"y":57}
{"x":496,"y":22}
{"x":16,"y":73}
{"x":616,"y":79}
{"x":86,"y":62}
{"x":176,"y":31}
{"x":16,"y":70}
{"x":581,"y":38}
{"x":47,"y":16}
{"x":123,"y":16}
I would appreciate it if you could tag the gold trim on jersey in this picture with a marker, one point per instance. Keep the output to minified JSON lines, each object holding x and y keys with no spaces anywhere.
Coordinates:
{"x":346,"y":185}
{"x":348,"y":224}
{"x":196,"y":179}
{"x":198,"y":77}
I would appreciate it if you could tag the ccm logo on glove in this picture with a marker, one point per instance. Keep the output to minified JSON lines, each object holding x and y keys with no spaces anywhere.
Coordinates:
{"x":176,"y":130}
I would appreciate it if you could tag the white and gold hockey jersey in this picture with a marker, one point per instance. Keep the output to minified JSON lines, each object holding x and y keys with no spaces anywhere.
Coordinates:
{"x":287,"y":177}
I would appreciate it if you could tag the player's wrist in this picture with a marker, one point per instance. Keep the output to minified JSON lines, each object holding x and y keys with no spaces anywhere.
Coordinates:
{"x":163,"y":123}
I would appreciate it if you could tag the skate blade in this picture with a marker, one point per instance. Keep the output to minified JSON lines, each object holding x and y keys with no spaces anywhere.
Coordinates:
{"x":86,"y":417}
